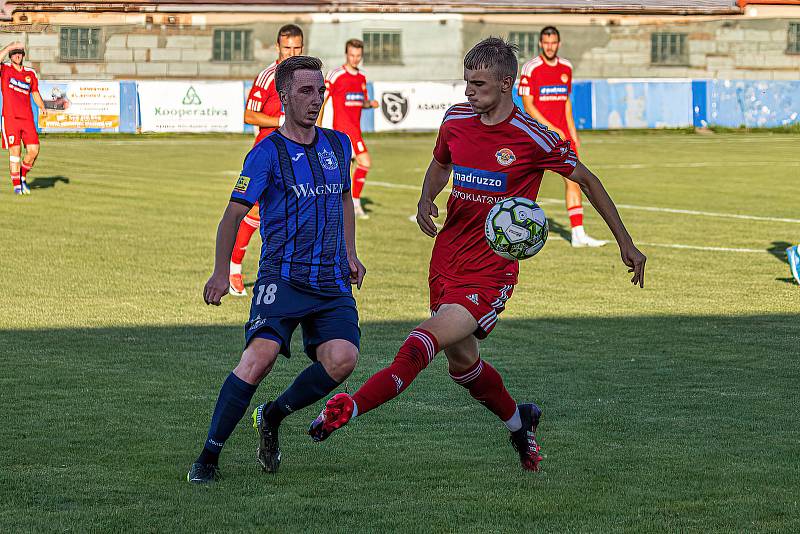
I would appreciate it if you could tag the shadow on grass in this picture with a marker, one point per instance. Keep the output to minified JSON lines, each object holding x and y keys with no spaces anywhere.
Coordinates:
{"x":559,"y":229}
{"x":47,"y":182}
{"x":778,"y":250}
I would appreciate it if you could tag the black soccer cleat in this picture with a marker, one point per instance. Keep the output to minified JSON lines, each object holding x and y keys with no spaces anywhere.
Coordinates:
{"x":524,"y":439}
{"x":203,"y":473}
{"x":269,"y":451}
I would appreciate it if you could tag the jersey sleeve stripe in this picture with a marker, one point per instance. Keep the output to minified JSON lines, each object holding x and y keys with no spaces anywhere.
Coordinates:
{"x":540,"y":140}
{"x":536,"y":125}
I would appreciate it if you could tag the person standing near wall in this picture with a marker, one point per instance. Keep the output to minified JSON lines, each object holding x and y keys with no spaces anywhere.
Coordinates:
{"x":19,"y":84}
{"x":263,"y":110}
{"x":347,"y":87}
{"x":545,"y":85}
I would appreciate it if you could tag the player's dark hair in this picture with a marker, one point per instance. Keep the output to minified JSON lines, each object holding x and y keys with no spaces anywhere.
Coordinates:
{"x":549,"y":30}
{"x":355,"y":43}
{"x":286,"y":68}
{"x":495,"y":55}
{"x":17,"y":51}
{"x":290,"y":30}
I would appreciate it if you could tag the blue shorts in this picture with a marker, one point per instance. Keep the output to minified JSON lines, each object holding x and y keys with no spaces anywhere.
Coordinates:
{"x":278,"y":307}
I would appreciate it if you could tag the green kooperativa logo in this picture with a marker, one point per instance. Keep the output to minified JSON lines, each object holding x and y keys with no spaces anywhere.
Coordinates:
{"x":194,"y":107}
{"x":191,"y":97}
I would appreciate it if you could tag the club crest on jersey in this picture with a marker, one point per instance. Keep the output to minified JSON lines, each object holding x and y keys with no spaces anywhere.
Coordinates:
{"x":241,"y":184}
{"x":28,"y":79}
{"x":505,"y":157}
{"x":328,"y":160}
{"x":564,"y":78}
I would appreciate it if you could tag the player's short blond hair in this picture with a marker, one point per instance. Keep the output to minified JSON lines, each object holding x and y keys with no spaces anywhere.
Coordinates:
{"x":496,"y":55}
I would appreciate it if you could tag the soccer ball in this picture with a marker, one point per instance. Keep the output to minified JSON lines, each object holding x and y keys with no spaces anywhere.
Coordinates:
{"x":516,"y":228}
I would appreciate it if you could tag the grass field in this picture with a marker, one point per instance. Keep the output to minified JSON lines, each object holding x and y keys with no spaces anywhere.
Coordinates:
{"x":673,"y":408}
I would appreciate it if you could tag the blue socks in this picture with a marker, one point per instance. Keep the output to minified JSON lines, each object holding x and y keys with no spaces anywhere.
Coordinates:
{"x":234,"y":398}
{"x":311,"y":385}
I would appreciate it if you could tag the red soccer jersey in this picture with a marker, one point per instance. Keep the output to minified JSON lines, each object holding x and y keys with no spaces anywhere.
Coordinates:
{"x":17,"y":86}
{"x":348,"y":92}
{"x":264,"y":98}
{"x":550,"y":88}
{"x":490,"y":164}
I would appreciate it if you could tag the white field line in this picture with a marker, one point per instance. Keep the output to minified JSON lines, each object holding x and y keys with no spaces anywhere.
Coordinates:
{"x":544,"y":200}
{"x":413,"y":218}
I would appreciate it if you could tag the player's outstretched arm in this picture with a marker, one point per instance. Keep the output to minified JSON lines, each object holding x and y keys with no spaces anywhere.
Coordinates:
{"x":217,"y":286}
{"x":436,"y":178}
{"x":357,"y":269}
{"x":597,"y":195}
{"x":9,"y":47}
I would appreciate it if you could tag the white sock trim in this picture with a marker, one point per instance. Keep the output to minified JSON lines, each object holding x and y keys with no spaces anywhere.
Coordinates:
{"x":515,"y":423}
{"x":236,"y":268}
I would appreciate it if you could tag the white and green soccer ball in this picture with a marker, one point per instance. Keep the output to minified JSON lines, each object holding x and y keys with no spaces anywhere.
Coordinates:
{"x":516,"y":228}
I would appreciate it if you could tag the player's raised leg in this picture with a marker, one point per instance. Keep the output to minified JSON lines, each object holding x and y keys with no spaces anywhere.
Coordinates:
{"x":234,"y":398}
{"x":485,"y":385}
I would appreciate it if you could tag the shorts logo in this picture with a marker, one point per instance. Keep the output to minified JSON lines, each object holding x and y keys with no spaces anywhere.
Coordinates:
{"x":564,"y":78}
{"x":505,"y":157}
{"x":257,"y":94}
{"x":473,"y":298}
{"x":11,"y":139}
{"x":328,"y":160}
{"x":241,"y":184}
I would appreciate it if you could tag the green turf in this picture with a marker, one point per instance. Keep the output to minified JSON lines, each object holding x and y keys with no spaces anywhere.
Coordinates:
{"x":672,"y":408}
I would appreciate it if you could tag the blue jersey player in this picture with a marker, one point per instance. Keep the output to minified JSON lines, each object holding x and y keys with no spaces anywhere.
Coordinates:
{"x":300,"y":177}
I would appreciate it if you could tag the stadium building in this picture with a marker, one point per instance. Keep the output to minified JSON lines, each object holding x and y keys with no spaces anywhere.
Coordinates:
{"x":405,"y":40}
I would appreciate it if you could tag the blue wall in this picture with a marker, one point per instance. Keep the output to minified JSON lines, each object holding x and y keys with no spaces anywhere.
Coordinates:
{"x":605,"y":104}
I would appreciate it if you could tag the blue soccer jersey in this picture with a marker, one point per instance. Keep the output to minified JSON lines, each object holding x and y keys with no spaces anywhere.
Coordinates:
{"x":299,"y":190}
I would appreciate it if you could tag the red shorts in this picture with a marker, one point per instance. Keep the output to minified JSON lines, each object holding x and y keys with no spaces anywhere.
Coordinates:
{"x":16,"y":130}
{"x":485,"y":301}
{"x":356,"y":141}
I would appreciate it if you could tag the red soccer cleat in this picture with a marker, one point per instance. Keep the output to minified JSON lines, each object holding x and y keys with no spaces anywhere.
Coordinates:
{"x":237,"y":285}
{"x":524,"y":439}
{"x":337,"y":412}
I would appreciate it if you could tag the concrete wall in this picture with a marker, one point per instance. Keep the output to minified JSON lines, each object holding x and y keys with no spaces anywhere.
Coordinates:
{"x":161,"y":46}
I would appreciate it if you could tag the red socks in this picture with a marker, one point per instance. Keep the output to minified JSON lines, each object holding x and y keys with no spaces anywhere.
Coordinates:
{"x":16,"y":181}
{"x":575,"y":216}
{"x":416,"y":353}
{"x":246,"y":229}
{"x":359,"y":178}
{"x":486,"y":386}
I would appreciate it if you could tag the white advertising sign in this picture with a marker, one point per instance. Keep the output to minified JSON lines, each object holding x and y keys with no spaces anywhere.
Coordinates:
{"x":191,"y":106}
{"x":414,"y":106}
{"x":79,"y":106}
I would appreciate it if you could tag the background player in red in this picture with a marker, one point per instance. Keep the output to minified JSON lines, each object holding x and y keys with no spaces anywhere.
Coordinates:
{"x":347,"y":87}
{"x":494,"y":151}
{"x":19,"y":84}
{"x":545,"y":85}
{"x":263,"y":110}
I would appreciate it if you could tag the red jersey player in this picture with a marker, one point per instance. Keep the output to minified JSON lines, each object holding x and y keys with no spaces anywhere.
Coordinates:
{"x":263,"y":110}
{"x":19,"y":84}
{"x":347,"y":87}
{"x":494,"y":151}
{"x":545,"y":85}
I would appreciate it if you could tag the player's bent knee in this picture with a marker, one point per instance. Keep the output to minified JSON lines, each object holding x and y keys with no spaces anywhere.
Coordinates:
{"x":339,"y":357}
{"x":257,"y":360}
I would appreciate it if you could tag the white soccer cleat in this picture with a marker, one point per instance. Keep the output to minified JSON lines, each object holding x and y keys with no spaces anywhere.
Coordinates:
{"x":581,"y":239}
{"x":359,"y":211}
{"x":25,"y":189}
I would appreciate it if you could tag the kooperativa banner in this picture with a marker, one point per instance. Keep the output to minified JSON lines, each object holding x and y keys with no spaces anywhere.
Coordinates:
{"x":191,"y":106}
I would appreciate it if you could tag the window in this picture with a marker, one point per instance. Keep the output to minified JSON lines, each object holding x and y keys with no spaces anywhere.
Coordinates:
{"x":233,"y":45}
{"x":382,"y":48}
{"x":793,"y":44}
{"x":528,"y":43}
{"x":669,"y":49}
{"x":80,"y":44}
